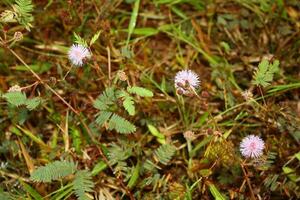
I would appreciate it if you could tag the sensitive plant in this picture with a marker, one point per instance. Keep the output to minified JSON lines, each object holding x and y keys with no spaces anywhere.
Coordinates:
{"x":252,"y":146}
{"x":78,"y":54}
{"x":141,"y":162}
{"x":19,"y":105}
{"x":185,"y":81}
{"x":21,"y":12}
{"x":107,"y":104}
{"x":81,"y":180}
{"x":265,"y":73}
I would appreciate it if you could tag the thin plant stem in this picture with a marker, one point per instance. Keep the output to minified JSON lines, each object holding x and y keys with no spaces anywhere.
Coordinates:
{"x":68,"y":72}
{"x":189,"y":148}
{"x":243,"y":166}
{"x":29,"y":86}
{"x":109,"y":64}
{"x":209,"y":112}
{"x":262,"y":95}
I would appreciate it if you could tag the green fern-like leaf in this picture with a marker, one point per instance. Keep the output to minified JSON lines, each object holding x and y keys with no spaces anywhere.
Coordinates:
{"x":95,"y":37}
{"x":140,"y":91}
{"x":264,"y":74}
{"x":102,"y":117}
{"x":15,"y":98}
{"x":23,"y":9}
{"x":5,"y":196}
{"x":83,"y":184}
{"x":53,"y":171}
{"x":106,"y":99}
{"x":118,"y":153}
{"x":106,"y":103}
{"x":128,"y":104}
{"x":271,"y":182}
{"x":165,"y":153}
{"x":80,"y":40}
{"x":32,"y":103}
{"x":120,"y":124}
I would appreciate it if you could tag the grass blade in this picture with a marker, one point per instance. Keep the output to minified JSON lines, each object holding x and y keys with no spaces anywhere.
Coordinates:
{"x":133,"y":19}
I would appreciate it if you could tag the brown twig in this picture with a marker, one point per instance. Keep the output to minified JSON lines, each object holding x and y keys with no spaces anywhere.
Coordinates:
{"x":248,"y":181}
{"x":41,"y":81}
{"x":262,"y":95}
{"x":14,"y":176}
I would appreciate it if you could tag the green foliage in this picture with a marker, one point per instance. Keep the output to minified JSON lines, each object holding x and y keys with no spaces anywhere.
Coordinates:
{"x":115,"y":122}
{"x":135,"y":175}
{"x":150,"y":166}
{"x":80,"y":40}
{"x":76,"y":139}
{"x":107,"y":104}
{"x":153,"y":180}
{"x":82,"y":184}
{"x":133,"y":20}
{"x":271,"y":182}
{"x":291,"y":174}
{"x":216,"y":193}
{"x":30,"y":190}
{"x":128,"y":104}
{"x":5,"y":196}
{"x":165,"y":153}
{"x":117,"y":156}
{"x":106,"y":100}
{"x":146,"y":163}
{"x":17,"y":99}
{"x":264,"y":74}
{"x":120,"y":124}
{"x":83,"y":42}
{"x":118,"y":153}
{"x":23,"y":9}
{"x":53,"y":171}
{"x":31,"y":104}
{"x":128,"y":101}
{"x":100,"y":166}
{"x":267,"y":162}
{"x":102,"y":117}
{"x":140,"y":91}
{"x":95,"y":37}
{"x":161,"y":138}
{"x":223,"y":152}
{"x":223,"y":76}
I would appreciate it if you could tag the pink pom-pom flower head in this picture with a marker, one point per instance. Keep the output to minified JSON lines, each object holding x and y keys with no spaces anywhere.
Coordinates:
{"x":186,"y":80}
{"x":252,"y":146}
{"x":78,"y":53}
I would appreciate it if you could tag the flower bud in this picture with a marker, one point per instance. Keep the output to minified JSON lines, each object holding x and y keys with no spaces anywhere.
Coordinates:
{"x":18,"y":36}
